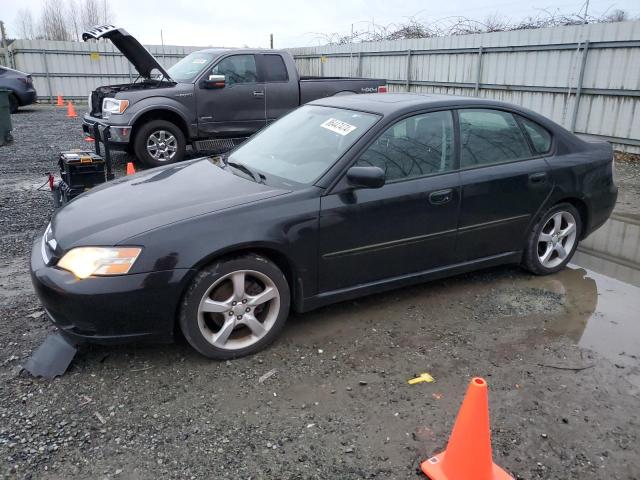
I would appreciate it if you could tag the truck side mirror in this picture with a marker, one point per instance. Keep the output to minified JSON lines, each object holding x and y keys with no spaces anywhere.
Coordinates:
{"x":214,"y":81}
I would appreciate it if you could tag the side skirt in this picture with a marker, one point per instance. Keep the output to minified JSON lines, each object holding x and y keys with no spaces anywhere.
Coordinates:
{"x":350,"y":293}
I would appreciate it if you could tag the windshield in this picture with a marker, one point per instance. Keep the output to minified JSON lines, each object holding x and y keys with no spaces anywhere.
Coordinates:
{"x":187,"y":69}
{"x":302,"y":145}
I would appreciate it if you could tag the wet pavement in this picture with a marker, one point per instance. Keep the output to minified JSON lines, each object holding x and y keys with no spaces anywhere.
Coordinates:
{"x":561,"y":355}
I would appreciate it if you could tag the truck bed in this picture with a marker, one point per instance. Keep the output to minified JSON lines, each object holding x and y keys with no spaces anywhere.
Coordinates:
{"x":312,"y":88}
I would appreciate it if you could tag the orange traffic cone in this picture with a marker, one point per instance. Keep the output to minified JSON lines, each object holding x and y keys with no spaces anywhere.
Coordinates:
{"x":59,"y":103}
{"x":130,"y":169}
{"x":468,"y":454}
{"x":71,"y":112}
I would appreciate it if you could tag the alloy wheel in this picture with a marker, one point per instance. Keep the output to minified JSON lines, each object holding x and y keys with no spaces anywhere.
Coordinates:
{"x":238,"y":309}
{"x":557,"y":239}
{"x":162,"y":145}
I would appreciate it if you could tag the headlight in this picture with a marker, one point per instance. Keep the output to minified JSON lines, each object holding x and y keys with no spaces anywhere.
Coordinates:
{"x":86,"y":261}
{"x":112,"y":105}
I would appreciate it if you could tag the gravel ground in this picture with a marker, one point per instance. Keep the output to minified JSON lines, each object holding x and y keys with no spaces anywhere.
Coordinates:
{"x":337,"y":404}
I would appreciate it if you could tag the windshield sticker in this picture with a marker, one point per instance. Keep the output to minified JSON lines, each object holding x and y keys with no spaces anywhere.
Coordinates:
{"x":199,"y":60}
{"x":338,"y":126}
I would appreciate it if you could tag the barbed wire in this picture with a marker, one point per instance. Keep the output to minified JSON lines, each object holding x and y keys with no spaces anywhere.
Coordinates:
{"x":458,"y":25}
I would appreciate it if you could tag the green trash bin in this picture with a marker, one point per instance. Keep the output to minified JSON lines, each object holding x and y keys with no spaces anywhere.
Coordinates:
{"x":5,"y":118}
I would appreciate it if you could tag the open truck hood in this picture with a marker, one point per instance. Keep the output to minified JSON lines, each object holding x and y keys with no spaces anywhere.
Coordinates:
{"x":131,"y":48}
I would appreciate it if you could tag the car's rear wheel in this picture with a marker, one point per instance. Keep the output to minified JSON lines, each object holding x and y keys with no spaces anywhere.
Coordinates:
{"x":13,"y":103}
{"x":159,"y":142}
{"x":553,"y":240}
{"x":235,"y":307}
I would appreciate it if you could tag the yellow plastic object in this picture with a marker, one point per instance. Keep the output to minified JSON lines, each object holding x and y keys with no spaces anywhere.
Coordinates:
{"x":422,"y":378}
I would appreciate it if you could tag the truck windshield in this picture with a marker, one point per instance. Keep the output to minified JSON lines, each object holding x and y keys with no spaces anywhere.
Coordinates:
{"x":187,"y":69}
{"x":302,"y":145}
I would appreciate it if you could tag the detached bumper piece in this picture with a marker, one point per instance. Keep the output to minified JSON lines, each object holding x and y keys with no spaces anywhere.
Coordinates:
{"x":52,"y":358}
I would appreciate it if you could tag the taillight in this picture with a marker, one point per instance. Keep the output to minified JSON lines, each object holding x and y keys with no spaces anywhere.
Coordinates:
{"x":25,"y":80}
{"x":382,"y":89}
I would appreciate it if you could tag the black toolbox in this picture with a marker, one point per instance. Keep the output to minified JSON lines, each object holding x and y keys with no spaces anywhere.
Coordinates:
{"x":80,"y":170}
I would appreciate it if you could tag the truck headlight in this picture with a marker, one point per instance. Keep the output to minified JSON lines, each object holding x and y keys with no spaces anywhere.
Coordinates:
{"x":113,"y":105}
{"x":86,"y":261}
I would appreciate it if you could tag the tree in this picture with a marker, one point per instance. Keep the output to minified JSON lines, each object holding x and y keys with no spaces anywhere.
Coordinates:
{"x":25,"y":25}
{"x":53,"y":23}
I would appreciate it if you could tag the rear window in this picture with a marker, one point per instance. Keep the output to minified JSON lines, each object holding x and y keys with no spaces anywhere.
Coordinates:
{"x":275,"y":69}
{"x":540,"y":137}
{"x":490,"y":136}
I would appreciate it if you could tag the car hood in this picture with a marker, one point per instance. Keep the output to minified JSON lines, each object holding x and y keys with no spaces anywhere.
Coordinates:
{"x":131,"y":48}
{"x":119,"y":209}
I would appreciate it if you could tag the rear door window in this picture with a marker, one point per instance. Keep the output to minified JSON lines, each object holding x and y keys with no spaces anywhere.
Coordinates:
{"x":540,"y":137}
{"x":490,"y":136}
{"x":274,"y":69}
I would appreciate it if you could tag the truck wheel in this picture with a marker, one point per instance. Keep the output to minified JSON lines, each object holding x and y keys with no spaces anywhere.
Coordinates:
{"x":13,"y":103}
{"x":159,"y":143}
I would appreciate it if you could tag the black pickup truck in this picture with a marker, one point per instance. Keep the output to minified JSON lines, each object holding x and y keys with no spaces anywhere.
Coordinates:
{"x":212,"y":99}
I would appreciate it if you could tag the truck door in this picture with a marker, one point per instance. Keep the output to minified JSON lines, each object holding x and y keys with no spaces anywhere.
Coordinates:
{"x":238,"y":109}
{"x":282,"y":92}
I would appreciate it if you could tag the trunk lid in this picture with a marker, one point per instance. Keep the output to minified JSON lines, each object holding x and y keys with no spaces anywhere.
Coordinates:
{"x":131,"y":48}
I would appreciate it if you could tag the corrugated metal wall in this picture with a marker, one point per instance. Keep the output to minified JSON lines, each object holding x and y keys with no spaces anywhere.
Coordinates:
{"x":73,"y":69}
{"x":544,"y":70}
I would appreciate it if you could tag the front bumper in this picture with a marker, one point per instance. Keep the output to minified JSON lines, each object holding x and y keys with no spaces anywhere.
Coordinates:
{"x":108,"y":310}
{"x":120,"y":134}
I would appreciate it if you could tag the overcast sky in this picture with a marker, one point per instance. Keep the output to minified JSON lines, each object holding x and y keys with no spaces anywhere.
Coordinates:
{"x":297,"y":22}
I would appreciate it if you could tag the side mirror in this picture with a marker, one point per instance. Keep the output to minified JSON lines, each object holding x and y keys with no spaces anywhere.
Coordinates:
{"x":214,"y":81}
{"x":366,"y":177}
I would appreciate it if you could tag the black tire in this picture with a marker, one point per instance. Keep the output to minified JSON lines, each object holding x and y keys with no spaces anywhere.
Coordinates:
{"x":189,"y":311}
{"x":146,"y":131}
{"x":13,"y":103}
{"x":531,"y":260}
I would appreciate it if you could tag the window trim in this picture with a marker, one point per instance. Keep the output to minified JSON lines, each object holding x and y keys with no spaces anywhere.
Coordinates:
{"x":515,"y":114}
{"x":207,"y":71}
{"x":519,"y":119}
{"x":454,"y":153}
{"x":263,"y":70}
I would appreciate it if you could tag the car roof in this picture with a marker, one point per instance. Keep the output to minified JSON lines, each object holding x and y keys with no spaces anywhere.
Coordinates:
{"x":13,"y":70}
{"x":397,"y":103}
{"x":239,"y":50}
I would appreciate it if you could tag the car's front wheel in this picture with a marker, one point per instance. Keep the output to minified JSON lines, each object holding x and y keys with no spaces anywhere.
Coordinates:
{"x":553,"y":240}
{"x":159,"y":142}
{"x":235,"y":307}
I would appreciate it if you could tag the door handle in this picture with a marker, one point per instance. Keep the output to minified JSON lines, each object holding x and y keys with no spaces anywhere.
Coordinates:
{"x":539,"y":177}
{"x":258,"y":94}
{"x":441,"y":196}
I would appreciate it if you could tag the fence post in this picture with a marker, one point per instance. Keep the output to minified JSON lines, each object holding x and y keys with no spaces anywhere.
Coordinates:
{"x":576,"y":103}
{"x":46,"y":72}
{"x":408,"y":83}
{"x":359,"y":64}
{"x":478,"y":72}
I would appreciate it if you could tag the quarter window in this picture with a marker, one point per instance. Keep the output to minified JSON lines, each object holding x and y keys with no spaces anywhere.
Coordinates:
{"x":413,"y":147}
{"x":540,"y":137}
{"x":490,"y":136}
{"x":237,"y":69}
{"x":274,"y":69}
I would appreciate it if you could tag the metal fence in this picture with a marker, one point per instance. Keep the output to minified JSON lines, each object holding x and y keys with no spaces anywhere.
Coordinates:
{"x":586,"y":77}
{"x":74,"y":69}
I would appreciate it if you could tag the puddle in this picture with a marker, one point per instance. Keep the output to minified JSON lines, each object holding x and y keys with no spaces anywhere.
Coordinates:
{"x":605,"y":294}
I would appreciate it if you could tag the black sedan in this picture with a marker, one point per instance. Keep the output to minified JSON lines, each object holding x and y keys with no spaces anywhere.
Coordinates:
{"x":343,"y":197}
